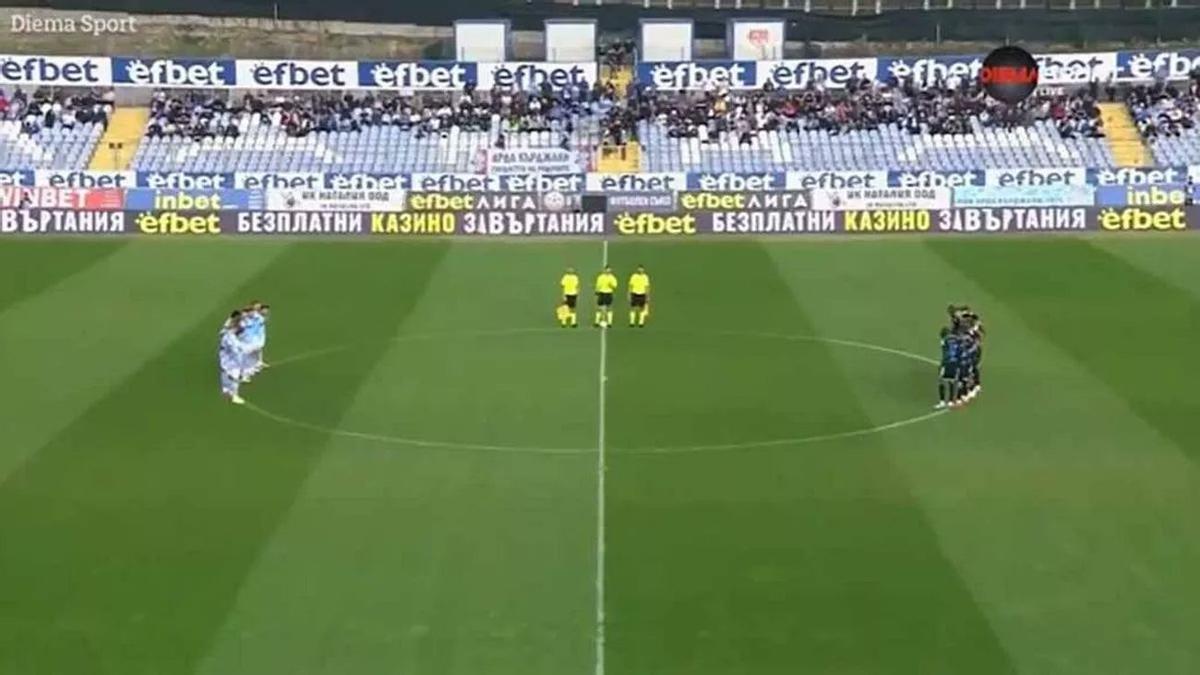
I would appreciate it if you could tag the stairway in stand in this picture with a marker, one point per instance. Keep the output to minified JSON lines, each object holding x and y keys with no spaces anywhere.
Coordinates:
{"x":1122,"y":136}
{"x":120,"y":141}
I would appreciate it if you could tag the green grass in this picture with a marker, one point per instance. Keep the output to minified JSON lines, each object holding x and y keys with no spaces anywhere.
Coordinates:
{"x":415,"y":489}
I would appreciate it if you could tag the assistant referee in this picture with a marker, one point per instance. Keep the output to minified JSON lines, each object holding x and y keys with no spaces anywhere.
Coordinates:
{"x":570,"y":298}
{"x":639,"y":297}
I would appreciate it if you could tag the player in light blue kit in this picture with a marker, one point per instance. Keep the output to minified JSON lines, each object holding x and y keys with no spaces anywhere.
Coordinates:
{"x":231,"y":355}
{"x":256,"y":337}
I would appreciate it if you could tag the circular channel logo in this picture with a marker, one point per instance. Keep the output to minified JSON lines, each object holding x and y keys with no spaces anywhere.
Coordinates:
{"x":1009,"y":74}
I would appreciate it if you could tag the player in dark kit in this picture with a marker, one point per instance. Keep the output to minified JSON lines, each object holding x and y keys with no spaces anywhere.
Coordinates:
{"x":949,"y":371}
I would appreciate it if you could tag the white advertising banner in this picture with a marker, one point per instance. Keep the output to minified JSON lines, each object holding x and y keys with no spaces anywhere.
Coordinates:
{"x":335,"y":200}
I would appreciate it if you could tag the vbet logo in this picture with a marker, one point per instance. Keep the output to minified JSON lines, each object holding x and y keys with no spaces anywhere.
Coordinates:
{"x":636,"y":182}
{"x":273,"y":74}
{"x":55,"y":70}
{"x":430,"y":75}
{"x":1174,"y":65}
{"x":833,"y":73}
{"x":931,"y":178}
{"x":698,"y":74}
{"x":737,"y":182}
{"x":528,"y":75}
{"x":175,"y":72}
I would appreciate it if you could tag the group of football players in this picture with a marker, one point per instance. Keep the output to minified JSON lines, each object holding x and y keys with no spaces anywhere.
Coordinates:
{"x":243,"y":337}
{"x":962,"y":351}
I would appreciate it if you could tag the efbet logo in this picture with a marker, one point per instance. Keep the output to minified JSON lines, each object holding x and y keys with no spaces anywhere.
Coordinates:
{"x":1138,"y":176}
{"x":927,"y":71}
{"x":175,"y":72}
{"x":1142,"y":220}
{"x":649,"y":223}
{"x":835,"y":73}
{"x":174,"y":223}
{"x":1009,"y":74}
{"x":935,"y":178}
{"x":636,"y":182}
{"x":1149,"y":65}
{"x":312,"y":74}
{"x":52,"y":70}
{"x":527,"y":75}
{"x":1074,"y":68}
{"x":419,"y":75}
{"x":691,"y":75}
{"x":435,"y":201}
{"x":737,"y":182}
{"x":712,"y":201}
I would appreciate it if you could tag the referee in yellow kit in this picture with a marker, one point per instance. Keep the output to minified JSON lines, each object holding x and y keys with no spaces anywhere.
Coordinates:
{"x":606,"y":285}
{"x":639,"y":297}
{"x":570,"y":299}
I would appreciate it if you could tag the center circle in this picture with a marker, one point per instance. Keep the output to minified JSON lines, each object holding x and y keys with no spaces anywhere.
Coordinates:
{"x":538,"y":389}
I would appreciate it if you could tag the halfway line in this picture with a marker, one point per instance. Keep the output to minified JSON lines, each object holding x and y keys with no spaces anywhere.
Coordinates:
{"x":601,"y":469}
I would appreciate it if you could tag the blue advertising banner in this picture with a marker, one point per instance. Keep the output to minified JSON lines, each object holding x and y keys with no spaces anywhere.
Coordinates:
{"x":149,"y":199}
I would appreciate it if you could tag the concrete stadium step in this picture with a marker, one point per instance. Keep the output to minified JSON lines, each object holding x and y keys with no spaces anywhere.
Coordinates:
{"x":118,"y":145}
{"x":1122,"y":136}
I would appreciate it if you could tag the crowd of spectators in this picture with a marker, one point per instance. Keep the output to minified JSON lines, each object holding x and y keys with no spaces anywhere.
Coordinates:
{"x":199,"y":115}
{"x":618,"y":53}
{"x":943,"y":108}
{"x":1164,"y":109}
{"x":44,"y":110}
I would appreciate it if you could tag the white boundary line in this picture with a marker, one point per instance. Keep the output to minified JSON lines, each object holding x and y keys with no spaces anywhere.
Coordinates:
{"x":601,"y":448}
{"x":601,"y":469}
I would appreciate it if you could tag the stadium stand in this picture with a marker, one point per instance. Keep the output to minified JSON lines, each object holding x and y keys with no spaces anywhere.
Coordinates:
{"x":1165,"y":115}
{"x":867,"y":126}
{"x":365,"y":134}
{"x":44,"y":131}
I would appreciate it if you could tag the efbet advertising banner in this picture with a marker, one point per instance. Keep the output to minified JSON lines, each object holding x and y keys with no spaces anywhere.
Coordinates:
{"x":1055,"y":69}
{"x":286,"y":74}
{"x":622,"y":224}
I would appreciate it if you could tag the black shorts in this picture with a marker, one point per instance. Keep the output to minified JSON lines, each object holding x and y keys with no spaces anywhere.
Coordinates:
{"x":604,"y":299}
{"x":637,"y":299}
{"x":949,"y":371}
{"x":570,"y":300}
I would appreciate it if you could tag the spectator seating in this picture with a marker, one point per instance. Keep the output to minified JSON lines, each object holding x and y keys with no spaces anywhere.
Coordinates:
{"x":50,"y":132}
{"x":49,"y":148}
{"x":887,"y":147}
{"x":358,"y":136}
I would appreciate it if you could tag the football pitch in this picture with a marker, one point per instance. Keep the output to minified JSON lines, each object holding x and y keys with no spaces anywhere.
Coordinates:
{"x":434,"y":478}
